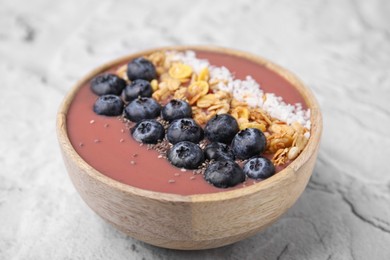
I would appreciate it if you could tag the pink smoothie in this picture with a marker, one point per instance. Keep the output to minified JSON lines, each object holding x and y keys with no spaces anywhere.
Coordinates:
{"x":106,"y":144}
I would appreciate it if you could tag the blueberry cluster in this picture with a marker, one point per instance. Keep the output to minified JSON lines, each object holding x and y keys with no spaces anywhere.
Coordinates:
{"x":226,"y":142}
{"x":114,"y":92}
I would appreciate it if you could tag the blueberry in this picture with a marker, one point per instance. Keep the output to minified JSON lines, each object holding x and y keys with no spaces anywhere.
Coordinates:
{"x":259,"y":168}
{"x":142,"y":108}
{"x":141,"y":68}
{"x":248,"y":143}
{"x":219,"y":152}
{"x":224,"y":174}
{"x":108,"y":105}
{"x":184,"y":129}
{"x":148,"y":131}
{"x":105,"y":84}
{"x":176,"y":109}
{"x":221,"y":128}
{"x":186,"y":155}
{"x":137,"y":88}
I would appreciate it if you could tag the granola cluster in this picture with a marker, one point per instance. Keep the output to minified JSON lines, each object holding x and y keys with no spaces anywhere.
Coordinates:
{"x":179,"y":81}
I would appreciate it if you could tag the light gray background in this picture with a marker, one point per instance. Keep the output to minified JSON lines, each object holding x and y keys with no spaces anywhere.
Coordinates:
{"x":340,"y":49}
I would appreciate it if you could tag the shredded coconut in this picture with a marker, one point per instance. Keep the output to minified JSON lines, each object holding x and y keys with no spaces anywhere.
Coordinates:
{"x":246,"y":90}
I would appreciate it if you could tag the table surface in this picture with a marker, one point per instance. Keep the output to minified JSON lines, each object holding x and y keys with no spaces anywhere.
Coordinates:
{"x":340,"y":49}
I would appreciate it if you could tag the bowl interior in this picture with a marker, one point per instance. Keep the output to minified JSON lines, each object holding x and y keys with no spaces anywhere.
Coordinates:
{"x":305,"y":95}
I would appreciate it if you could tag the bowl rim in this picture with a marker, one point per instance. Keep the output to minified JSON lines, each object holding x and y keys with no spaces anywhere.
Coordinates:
{"x":291,"y":169}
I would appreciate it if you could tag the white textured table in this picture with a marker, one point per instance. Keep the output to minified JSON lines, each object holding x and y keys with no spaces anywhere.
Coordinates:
{"x":341,"y":49}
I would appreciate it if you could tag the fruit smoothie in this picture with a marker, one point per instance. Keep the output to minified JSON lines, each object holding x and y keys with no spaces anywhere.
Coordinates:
{"x":166,"y":131}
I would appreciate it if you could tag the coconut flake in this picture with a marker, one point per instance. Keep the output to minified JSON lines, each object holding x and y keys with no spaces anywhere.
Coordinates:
{"x":247,"y":90}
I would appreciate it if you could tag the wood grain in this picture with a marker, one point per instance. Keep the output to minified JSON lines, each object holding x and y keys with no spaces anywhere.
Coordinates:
{"x":195,"y":221}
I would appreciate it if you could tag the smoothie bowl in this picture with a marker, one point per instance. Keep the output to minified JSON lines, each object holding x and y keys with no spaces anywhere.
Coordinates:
{"x":189,"y":147}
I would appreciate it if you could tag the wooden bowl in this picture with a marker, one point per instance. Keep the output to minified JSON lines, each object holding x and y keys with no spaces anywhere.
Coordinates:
{"x":192,"y":221}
